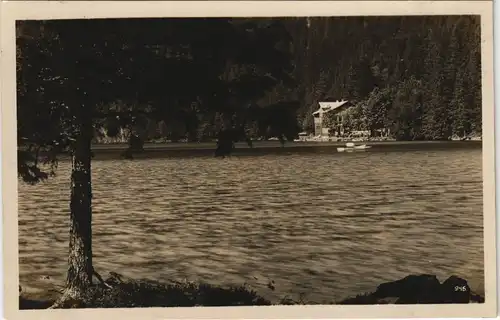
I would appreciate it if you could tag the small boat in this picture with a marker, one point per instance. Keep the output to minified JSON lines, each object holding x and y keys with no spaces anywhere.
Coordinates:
{"x":362,"y":147}
{"x":349,"y":147}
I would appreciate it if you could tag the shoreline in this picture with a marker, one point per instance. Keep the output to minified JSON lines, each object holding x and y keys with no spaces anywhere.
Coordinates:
{"x":114,"y":151}
{"x":260,"y":148}
{"x":108,"y":147}
{"x":126,"y":292}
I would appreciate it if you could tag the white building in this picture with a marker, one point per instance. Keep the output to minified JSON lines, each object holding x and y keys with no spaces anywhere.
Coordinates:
{"x":324,"y":108}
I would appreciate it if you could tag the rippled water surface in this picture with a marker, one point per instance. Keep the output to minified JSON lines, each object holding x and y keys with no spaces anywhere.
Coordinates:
{"x":328,"y":225}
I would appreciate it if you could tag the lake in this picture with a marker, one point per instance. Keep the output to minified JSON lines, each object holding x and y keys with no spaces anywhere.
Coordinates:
{"x":329,"y":225}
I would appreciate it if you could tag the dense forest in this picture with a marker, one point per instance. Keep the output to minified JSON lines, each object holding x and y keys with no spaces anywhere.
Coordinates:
{"x":79,"y":81}
{"x":419,"y":76}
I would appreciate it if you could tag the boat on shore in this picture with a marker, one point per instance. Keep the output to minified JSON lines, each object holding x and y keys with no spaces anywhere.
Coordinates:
{"x":349,"y":147}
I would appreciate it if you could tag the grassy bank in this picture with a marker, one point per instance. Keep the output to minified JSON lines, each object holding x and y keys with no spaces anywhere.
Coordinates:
{"x":129,"y":293}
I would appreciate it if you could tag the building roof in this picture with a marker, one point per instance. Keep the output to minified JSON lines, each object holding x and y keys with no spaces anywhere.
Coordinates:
{"x":329,"y":106}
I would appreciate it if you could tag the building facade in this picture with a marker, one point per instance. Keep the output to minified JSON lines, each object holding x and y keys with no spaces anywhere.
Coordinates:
{"x":319,"y":116}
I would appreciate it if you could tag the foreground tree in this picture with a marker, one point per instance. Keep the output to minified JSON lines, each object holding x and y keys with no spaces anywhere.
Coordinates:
{"x":89,"y":65}
{"x":63,"y":122}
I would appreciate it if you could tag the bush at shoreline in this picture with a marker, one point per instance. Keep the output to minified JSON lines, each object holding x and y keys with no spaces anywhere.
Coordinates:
{"x":129,"y":293}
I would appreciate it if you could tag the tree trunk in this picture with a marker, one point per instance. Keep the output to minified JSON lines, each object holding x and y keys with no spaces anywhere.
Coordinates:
{"x":80,"y":243}
{"x":80,"y":268}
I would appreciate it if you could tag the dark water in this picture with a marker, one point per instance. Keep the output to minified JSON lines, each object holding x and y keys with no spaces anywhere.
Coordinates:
{"x":169,"y":150}
{"x":329,"y":225}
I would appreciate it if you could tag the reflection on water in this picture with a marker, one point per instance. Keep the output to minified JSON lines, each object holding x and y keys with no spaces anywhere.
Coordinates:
{"x":329,"y":225}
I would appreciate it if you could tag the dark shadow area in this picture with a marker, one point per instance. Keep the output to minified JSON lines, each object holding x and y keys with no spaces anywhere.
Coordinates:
{"x":129,"y":293}
{"x":419,"y":289}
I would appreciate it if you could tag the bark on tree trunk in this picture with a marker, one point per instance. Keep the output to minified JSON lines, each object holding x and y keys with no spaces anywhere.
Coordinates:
{"x":80,"y":242}
{"x":80,"y":268}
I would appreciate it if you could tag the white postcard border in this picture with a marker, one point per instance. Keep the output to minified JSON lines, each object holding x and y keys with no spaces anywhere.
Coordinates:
{"x":38,"y":10}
